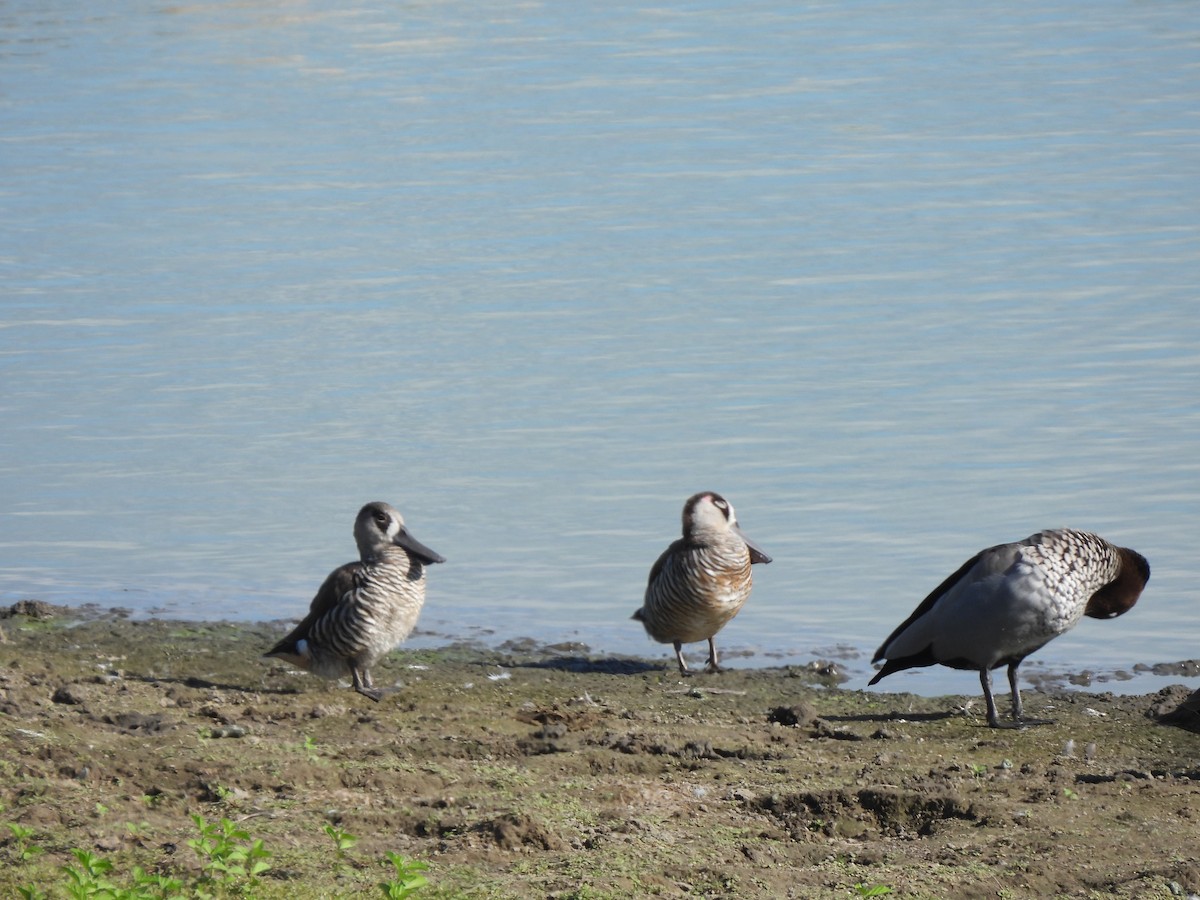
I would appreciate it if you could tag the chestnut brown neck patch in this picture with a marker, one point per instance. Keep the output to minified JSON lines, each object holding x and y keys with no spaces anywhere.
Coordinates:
{"x":1120,"y":594}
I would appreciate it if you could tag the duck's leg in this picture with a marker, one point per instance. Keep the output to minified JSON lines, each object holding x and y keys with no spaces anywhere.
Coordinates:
{"x":712,"y":665}
{"x":683,"y":669}
{"x":1019,"y":721}
{"x":363,"y":683}
{"x":985,"y":678}
{"x":1018,"y":712}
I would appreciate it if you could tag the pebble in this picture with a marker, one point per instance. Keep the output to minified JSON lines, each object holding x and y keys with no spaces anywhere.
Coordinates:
{"x":228,"y":731}
{"x":69,"y":694}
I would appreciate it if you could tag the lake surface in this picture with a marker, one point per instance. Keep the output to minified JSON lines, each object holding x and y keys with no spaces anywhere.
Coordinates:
{"x":900,"y":281}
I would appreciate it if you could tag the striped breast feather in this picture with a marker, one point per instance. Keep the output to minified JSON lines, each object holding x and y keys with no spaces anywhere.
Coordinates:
{"x":345,"y":631}
{"x":689,"y":591}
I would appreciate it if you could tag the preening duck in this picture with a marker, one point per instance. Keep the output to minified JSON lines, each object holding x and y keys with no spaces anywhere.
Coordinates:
{"x":1010,"y":600}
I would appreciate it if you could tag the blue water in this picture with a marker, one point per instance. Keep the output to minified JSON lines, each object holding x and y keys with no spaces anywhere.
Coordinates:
{"x":900,"y":281}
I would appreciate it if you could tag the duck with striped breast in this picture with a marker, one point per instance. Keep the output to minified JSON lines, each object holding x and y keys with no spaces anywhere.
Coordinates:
{"x":701,"y":580}
{"x":1010,"y":600}
{"x":363,"y":609}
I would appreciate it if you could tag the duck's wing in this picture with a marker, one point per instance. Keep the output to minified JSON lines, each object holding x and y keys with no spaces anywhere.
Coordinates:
{"x":341,"y":581}
{"x":983,"y":565}
{"x":678,"y":546}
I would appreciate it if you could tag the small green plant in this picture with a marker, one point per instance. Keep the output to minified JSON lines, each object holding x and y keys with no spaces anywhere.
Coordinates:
{"x":978,"y":770}
{"x":23,"y":841}
{"x":231,"y":863}
{"x":91,"y":878}
{"x":871,"y":890}
{"x":343,"y":840}
{"x":309,"y":748}
{"x":1070,"y":794}
{"x":227,"y":853}
{"x":408,"y":878}
{"x":160,"y":885}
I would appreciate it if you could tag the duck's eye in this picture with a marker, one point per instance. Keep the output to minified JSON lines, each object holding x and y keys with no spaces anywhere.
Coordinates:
{"x":381,"y":519}
{"x":720,"y":504}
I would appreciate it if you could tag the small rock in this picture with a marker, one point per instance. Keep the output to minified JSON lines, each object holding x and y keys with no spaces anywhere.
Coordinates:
{"x":228,"y":731}
{"x":798,"y":714}
{"x":825,"y":730}
{"x":321,"y":710}
{"x":1173,"y":706}
{"x":69,"y":694}
{"x":34,"y":609}
{"x":214,"y":712}
{"x":698,"y":750}
{"x":551,"y":731}
{"x":825,"y":668}
{"x":139,"y":722}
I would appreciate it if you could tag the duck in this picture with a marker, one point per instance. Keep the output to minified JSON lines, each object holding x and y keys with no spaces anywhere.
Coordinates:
{"x":363,"y":609}
{"x":1009,"y":601}
{"x":700,"y":581}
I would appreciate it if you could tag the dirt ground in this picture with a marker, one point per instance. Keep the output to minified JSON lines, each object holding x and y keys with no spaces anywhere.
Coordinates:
{"x":530,"y":771}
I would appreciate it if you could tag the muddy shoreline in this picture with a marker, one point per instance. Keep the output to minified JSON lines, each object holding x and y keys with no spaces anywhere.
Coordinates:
{"x":533,"y":771}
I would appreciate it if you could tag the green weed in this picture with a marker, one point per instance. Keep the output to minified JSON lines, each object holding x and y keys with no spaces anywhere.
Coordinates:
{"x":91,"y":878}
{"x":22,"y":842}
{"x":231,"y":865}
{"x":227,"y":853}
{"x":408,"y":879}
{"x":343,"y":840}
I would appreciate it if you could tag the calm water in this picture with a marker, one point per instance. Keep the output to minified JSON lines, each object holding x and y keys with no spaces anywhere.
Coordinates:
{"x":900,"y":281}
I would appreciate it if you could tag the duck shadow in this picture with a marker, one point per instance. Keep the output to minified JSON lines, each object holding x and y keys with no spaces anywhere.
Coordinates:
{"x":584,"y":665}
{"x":894,"y":717}
{"x":206,"y":684}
